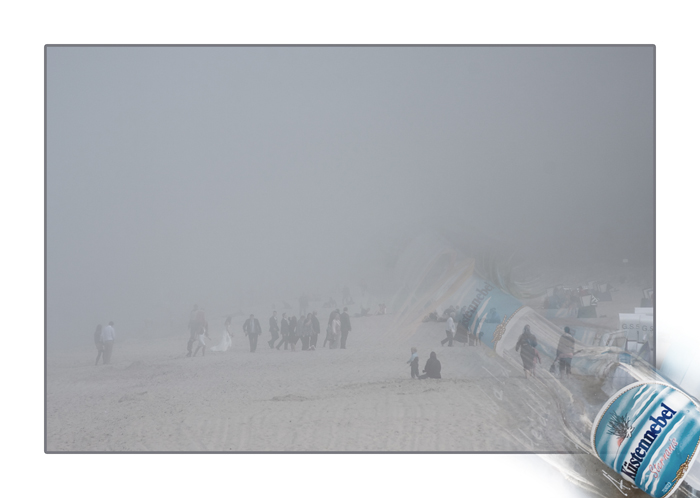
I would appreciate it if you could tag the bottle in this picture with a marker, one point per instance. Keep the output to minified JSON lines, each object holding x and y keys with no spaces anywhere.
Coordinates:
{"x":617,"y":406}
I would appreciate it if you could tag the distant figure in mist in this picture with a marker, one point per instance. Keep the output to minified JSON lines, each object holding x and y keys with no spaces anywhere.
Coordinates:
{"x":198,"y":329}
{"x":345,"y":327}
{"x":316,"y":330}
{"x":284,"y":324}
{"x":107,"y":337}
{"x":294,"y":332}
{"x":306,"y":331}
{"x":334,"y":341}
{"x":363,"y":312}
{"x":274,"y":330}
{"x":527,"y":342}
{"x":202,"y":331}
{"x":413,"y":361}
{"x":98,"y":343}
{"x":565,"y":352}
{"x":363,"y":287}
{"x":330,"y":327}
{"x":252,"y":329}
{"x":450,"y":331}
{"x":432,"y":368}
{"x":192,"y":327}
{"x":226,"y":339}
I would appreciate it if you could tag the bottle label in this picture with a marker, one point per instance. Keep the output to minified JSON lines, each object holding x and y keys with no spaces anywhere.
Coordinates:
{"x":487,"y":311}
{"x":648,"y":432}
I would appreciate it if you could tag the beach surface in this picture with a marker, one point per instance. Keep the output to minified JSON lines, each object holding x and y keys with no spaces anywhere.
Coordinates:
{"x":152,"y":398}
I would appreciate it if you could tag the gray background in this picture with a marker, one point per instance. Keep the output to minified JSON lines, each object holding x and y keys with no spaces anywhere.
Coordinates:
{"x":233,"y":174}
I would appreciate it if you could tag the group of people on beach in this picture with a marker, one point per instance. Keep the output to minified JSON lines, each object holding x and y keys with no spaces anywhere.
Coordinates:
{"x":305,"y":328}
{"x":432,"y":366}
{"x":527,"y":346}
{"x":465,"y":336}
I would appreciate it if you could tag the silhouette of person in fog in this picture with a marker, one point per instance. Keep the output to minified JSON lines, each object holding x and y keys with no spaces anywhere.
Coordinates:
{"x":432,"y":368}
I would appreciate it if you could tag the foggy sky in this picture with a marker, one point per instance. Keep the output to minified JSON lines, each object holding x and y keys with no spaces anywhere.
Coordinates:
{"x":203,"y":174}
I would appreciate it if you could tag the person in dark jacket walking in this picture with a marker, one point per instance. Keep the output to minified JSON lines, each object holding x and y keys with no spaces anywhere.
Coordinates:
{"x":527,"y":342}
{"x":565,"y":352}
{"x":252,"y":329}
{"x":345,"y":327}
{"x":306,"y":331}
{"x":274,"y":330}
{"x":432,"y":368}
{"x":316,"y":330}
{"x":284,"y":325}
{"x":294,"y":331}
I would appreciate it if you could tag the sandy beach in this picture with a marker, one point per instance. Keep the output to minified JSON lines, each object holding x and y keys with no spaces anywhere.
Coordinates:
{"x":152,"y":398}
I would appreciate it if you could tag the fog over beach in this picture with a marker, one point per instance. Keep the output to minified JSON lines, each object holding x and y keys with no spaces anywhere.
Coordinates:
{"x":240,"y":179}
{"x":234,"y":176}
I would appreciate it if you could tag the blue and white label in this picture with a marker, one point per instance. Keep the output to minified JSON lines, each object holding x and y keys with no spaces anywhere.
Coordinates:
{"x":487,"y":310}
{"x":648,"y":432}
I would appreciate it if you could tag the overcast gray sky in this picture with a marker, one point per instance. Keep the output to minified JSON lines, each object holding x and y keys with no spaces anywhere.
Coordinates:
{"x":181,"y":175}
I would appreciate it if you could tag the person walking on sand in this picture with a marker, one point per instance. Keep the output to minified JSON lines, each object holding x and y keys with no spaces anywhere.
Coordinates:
{"x":316,"y":330}
{"x":335,"y":332}
{"x":201,"y":344}
{"x":284,"y":328}
{"x":526,"y":344}
{"x":329,"y":327}
{"x":345,"y":327}
{"x":413,"y":361}
{"x":306,"y":331}
{"x":565,"y":352}
{"x":252,"y":329}
{"x":294,"y":331}
{"x":450,"y":331}
{"x":196,"y":324}
{"x":432,"y":368}
{"x":274,"y":330}
{"x":98,"y":343}
{"x":108,"y":342}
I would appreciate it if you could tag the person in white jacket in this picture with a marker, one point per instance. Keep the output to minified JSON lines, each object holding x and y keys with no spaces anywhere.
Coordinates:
{"x":450,"y":332}
{"x":108,"y":342}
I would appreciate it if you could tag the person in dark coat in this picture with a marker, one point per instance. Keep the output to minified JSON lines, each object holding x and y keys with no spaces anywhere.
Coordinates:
{"x":306,"y":331}
{"x":565,"y":352}
{"x":432,"y":368}
{"x":195,"y":326}
{"x":345,"y":327}
{"x":316,"y":330}
{"x":527,"y":342}
{"x":274,"y":329}
{"x":284,"y":324}
{"x":252,"y":329}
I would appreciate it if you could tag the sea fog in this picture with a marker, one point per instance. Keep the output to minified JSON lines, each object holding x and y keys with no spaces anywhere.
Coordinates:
{"x":236,"y":178}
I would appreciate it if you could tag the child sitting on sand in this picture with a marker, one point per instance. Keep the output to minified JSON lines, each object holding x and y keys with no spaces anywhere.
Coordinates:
{"x":413,"y":360}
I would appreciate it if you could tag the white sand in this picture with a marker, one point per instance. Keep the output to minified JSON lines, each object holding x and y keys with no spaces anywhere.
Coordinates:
{"x":152,"y":398}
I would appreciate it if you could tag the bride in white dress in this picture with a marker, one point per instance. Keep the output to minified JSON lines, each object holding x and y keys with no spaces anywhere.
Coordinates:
{"x":225,"y":343}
